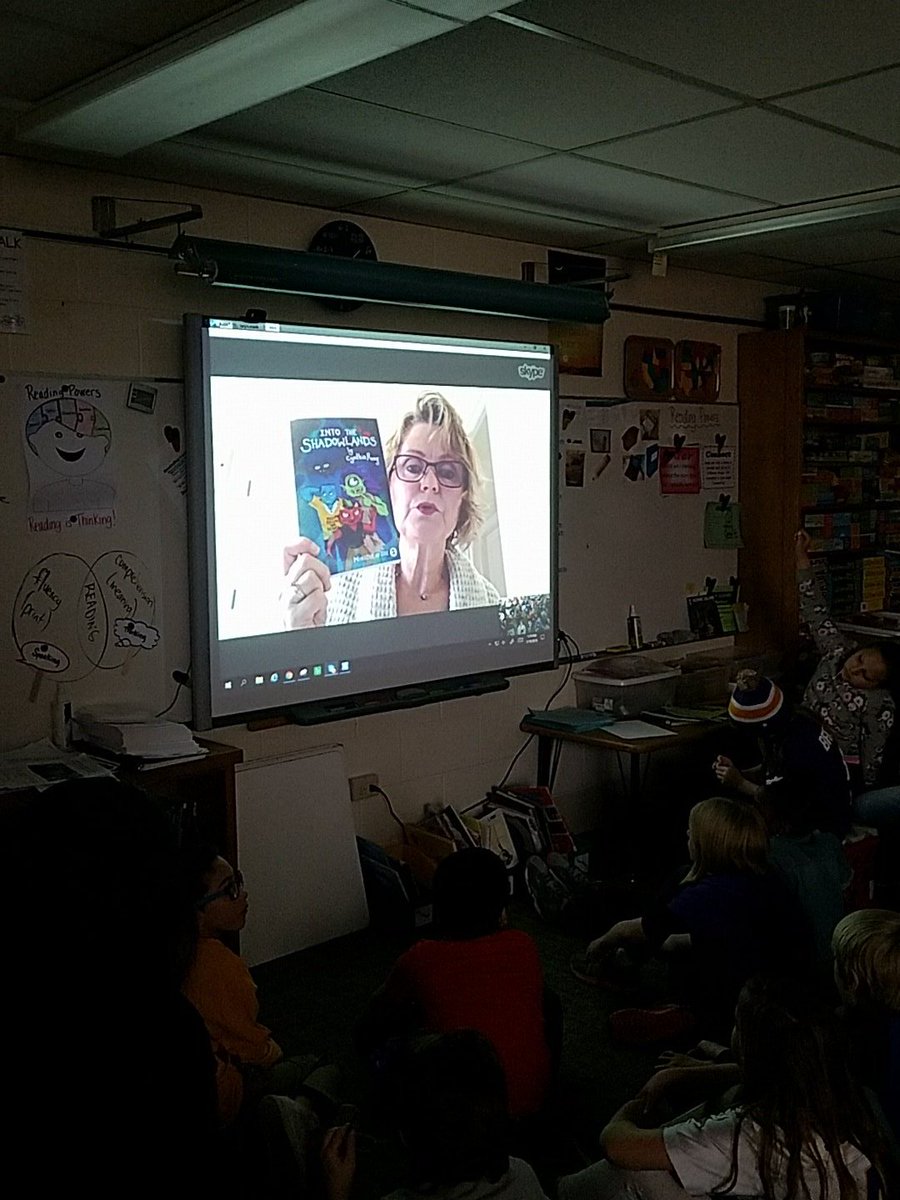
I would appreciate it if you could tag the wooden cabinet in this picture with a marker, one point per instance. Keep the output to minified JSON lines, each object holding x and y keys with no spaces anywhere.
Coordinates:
{"x":200,"y":793}
{"x":820,"y":448}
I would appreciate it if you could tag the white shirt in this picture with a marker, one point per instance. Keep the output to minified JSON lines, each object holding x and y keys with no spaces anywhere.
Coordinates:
{"x":700,"y":1153}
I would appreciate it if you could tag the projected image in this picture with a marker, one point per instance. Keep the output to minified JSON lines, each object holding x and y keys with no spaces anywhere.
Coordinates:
{"x":359,"y":501}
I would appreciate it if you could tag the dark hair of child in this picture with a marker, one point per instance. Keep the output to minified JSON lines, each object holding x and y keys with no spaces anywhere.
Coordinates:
{"x":448,"y":1093}
{"x":727,"y":836}
{"x":198,"y":859}
{"x":798,"y":1091}
{"x":890,"y":656}
{"x":470,"y":892}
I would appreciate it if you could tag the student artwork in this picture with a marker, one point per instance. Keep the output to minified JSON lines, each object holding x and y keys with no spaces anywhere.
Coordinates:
{"x":651,"y":459}
{"x":72,"y":617}
{"x":67,"y":442}
{"x":602,"y":463}
{"x":574,"y":467}
{"x":343,"y":501}
{"x":634,"y":467}
{"x":717,"y":466}
{"x":679,"y":468}
{"x":648,"y":368}
{"x":722,"y":525}
{"x":697,"y":370}
{"x":601,"y":440}
{"x":648,"y":419}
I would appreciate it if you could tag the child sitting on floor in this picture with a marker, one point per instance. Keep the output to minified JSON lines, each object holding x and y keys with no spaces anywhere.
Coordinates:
{"x":448,"y":1096}
{"x":249,"y":1062}
{"x":731,"y":918}
{"x":800,"y":1127}
{"x":474,"y":974}
{"x":866,"y":947}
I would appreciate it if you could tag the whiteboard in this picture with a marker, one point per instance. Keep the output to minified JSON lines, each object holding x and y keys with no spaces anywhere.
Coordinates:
{"x":622,"y":540}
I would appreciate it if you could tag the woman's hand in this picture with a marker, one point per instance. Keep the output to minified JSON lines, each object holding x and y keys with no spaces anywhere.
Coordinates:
{"x":306,"y":580}
{"x":338,"y":1156}
{"x":802,"y":543}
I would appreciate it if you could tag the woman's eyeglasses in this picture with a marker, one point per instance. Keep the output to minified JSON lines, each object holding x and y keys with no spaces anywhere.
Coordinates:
{"x":449,"y":472}
{"x":231,"y":888}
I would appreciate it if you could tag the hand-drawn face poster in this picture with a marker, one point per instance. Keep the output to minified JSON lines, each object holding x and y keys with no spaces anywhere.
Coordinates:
{"x":69,"y":452}
{"x":94,"y":525}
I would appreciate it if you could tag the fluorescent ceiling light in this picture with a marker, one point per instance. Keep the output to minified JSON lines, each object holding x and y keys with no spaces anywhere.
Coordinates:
{"x":256,"y":52}
{"x":799,"y":216}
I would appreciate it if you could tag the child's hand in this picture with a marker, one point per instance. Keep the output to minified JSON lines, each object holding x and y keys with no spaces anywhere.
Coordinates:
{"x":657,"y":1086}
{"x":802,"y":544}
{"x":671,"y":1058}
{"x":338,"y":1155}
{"x":726,"y":772}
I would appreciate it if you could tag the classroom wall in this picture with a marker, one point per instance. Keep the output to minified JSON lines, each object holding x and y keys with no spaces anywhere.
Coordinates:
{"x":105,"y":312}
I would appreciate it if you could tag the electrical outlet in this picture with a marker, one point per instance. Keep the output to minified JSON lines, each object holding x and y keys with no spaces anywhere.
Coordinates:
{"x":360,"y":786}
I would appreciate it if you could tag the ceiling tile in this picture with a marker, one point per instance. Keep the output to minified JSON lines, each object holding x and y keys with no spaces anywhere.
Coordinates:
{"x":867,"y":106}
{"x":828,"y":245}
{"x":38,"y":60}
{"x":885,"y":268}
{"x":135,"y":23}
{"x":278,"y":179}
{"x":567,"y":186}
{"x":493,"y":220}
{"x":760,"y":49}
{"x":345,"y":134}
{"x":757,"y":153}
{"x":493,"y":77}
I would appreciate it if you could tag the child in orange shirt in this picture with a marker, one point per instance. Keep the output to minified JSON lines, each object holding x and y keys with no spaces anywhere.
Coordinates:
{"x":222,"y":990}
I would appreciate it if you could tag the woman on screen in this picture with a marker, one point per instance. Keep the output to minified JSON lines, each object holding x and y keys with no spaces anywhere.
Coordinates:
{"x":434,"y":492}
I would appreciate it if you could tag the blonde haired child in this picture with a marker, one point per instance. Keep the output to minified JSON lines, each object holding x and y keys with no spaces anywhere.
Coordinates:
{"x":730,"y":918}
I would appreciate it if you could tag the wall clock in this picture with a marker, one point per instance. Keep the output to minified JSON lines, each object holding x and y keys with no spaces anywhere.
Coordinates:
{"x":346,"y":240}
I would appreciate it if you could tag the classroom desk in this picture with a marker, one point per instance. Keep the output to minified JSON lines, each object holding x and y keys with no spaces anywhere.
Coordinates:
{"x":635,"y":752}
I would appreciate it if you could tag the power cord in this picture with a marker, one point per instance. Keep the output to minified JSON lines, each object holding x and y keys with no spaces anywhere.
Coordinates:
{"x":183,"y":679}
{"x":573,"y":653}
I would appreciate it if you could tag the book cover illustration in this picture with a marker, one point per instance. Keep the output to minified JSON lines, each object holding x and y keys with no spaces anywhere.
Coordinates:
{"x":341,"y":482}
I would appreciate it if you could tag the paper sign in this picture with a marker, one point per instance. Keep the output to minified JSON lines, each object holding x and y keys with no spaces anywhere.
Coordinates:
{"x":12,"y":282}
{"x":679,"y":470}
{"x":722,"y":527}
{"x":717,"y":468}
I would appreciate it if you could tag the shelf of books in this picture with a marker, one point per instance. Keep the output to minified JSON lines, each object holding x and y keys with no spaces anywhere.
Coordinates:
{"x":850,"y":475}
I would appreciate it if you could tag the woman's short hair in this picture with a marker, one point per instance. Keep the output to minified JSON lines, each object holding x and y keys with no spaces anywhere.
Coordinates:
{"x":449,"y":1098}
{"x":866,"y":946}
{"x":728,"y":835}
{"x":431,"y":408}
{"x":470,"y":890}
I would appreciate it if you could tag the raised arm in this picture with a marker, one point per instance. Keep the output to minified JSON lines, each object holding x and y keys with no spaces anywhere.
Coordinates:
{"x":813,"y":604}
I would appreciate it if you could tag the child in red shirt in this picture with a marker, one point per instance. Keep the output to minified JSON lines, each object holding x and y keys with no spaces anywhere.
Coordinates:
{"x":474,"y":974}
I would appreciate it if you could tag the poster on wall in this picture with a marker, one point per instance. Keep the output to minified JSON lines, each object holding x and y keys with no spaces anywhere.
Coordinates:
{"x":12,"y":282}
{"x":69,"y":453}
{"x":679,"y":469}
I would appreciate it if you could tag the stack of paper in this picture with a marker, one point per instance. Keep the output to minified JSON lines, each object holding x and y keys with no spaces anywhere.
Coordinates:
{"x":154,"y":738}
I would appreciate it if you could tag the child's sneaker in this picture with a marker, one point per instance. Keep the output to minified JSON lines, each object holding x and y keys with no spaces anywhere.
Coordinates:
{"x":577,"y":881}
{"x":641,"y":1026}
{"x":550,"y":897}
{"x":614,"y":970}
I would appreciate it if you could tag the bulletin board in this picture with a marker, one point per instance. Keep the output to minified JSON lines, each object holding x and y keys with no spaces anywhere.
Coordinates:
{"x":94,"y":520}
{"x":636,"y":480}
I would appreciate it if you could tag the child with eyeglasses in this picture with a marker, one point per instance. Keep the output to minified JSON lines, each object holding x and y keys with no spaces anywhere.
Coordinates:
{"x":249,"y":1062}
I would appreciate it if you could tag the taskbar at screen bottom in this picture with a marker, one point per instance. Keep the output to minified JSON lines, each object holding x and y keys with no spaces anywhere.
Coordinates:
{"x":278,"y":686}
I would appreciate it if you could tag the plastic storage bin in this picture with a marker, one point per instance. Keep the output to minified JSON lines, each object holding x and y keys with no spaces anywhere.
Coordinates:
{"x":626,"y":685}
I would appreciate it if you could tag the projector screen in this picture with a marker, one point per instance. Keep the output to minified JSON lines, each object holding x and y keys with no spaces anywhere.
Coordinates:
{"x":369,"y":513}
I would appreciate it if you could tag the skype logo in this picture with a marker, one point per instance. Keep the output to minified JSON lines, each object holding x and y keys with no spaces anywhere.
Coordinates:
{"x":531,"y":371}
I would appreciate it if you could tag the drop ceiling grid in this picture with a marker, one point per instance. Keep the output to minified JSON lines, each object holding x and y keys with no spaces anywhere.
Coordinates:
{"x":350,"y":134}
{"x":567,"y":185}
{"x":756,"y":152}
{"x":761,"y":48}
{"x":869,"y":106}
{"x":502,"y":80}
